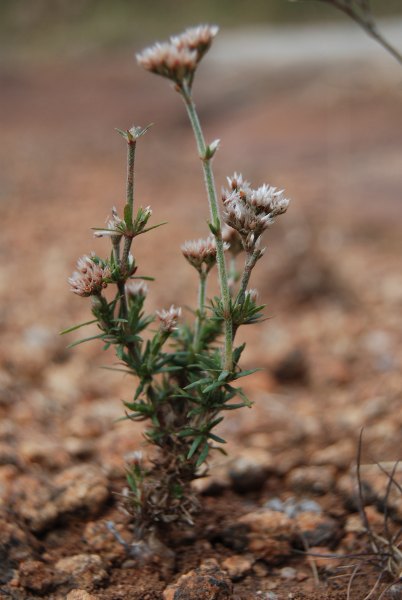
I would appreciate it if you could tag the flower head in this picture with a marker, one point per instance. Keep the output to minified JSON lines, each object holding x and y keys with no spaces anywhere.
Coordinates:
{"x":90,"y":277}
{"x":200,"y":253}
{"x":250,"y":211}
{"x":168,"y":60}
{"x":136,"y":289}
{"x":196,"y":38}
{"x":178,"y":59}
{"x":168,"y":318}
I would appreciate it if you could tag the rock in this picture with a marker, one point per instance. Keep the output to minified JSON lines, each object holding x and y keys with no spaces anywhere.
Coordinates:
{"x":288,"y":573}
{"x":249,"y":471}
{"x":41,"y":501}
{"x":237,"y":566}
{"x":80,"y":595}
{"x":45,"y":452}
{"x":84,"y":569}
{"x":318,"y":480}
{"x":208,"y":582}
{"x":324,"y":558}
{"x":81,"y":487}
{"x":8,"y":455}
{"x":313,"y":529}
{"x":292,"y":507}
{"x":348,"y":489}
{"x":100,"y":539}
{"x":340,"y":455}
{"x":269,"y":534}
{"x":289,"y":459}
{"x":35,"y":576}
{"x":292,"y":368}
{"x":32,"y":498}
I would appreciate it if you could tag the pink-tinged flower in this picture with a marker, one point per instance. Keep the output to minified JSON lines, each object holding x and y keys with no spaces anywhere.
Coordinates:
{"x":168,"y":60}
{"x":197,"y":38}
{"x":201,"y":253}
{"x":90,"y":278}
{"x":136,"y":289}
{"x":250,"y":211}
{"x":168,"y":318}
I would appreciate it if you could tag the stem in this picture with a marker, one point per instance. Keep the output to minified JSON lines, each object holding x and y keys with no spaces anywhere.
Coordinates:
{"x":130,"y":173}
{"x":201,"y":310}
{"x":251,"y":259}
{"x":227,"y":362}
{"x":366,"y":21}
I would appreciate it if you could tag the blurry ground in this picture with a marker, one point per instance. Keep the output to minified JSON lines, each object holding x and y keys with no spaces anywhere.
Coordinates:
{"x":330,"y":355}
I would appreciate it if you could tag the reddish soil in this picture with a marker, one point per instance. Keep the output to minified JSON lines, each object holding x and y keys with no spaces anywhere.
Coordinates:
{"x":330,"y":356}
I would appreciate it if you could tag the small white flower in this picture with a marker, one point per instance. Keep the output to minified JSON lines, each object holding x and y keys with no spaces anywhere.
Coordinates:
{"x":168,"y":60}
{"x":89,"y":278}
{"x":168,"y":318}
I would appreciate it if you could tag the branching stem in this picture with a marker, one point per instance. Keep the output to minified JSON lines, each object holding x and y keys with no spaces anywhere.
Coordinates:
{"x":216,"y":223}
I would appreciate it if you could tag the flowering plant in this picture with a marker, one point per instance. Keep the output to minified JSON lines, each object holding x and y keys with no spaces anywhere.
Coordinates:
{"x":186,"y":375}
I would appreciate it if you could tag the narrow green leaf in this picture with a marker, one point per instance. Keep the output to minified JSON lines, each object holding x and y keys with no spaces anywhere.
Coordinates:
{"x":203,"y":455}
{"x":197,"y":441}
{"x":216,"y":438}
{"x":75,"y":327}
{"x":88,"y":339}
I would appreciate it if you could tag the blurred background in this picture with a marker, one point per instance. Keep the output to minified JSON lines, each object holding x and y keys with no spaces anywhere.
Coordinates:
{"x":301,"y":98}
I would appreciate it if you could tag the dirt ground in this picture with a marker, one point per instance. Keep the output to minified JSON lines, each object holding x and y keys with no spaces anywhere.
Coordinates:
{"x":280,"y":515}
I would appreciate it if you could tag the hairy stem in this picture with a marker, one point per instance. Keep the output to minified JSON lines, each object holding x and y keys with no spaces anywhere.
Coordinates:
{"x":251,"y":260}
{"x":201,"y":311}
{"x":216,"y":222}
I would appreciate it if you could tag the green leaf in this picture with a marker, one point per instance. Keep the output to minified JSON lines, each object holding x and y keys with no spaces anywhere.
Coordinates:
{"x":203,"y":455}
{"x":75,"y":327}
{"x":197,"y":441}
{"x":245,"y":373}
{"x":88,"y":339}
{"x":216,"y":438}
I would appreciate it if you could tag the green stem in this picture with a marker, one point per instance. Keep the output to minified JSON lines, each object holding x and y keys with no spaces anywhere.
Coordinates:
{"x":251,"y":259}
{"x":130,"y":173}
{"x":201,"y":311}
{"x":216,"y":223}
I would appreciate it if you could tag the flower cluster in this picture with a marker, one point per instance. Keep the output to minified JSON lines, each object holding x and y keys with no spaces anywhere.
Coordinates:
{"x":168,"y":318}
{"x":90,"y":277}
{"x":250,"y":211}
{"x":178,"y":58}
{"x":136,"y":289}
{"x":201,"y":254}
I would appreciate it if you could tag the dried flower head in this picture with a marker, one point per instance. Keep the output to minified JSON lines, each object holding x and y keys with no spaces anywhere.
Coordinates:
{"x":178,"y":58}
{"x":90,"y":277}
{"x":197,"y":38}
{"x":200,"y":253}
{"x":169,"y":61}
{"x":136,"y":289}
{"x":168,"y":318}
{"x":250,"y":211}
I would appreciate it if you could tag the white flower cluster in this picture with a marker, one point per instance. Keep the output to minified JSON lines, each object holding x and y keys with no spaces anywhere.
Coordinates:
{"x":168,"y":318}
{"x":90,"y":277}
{"x":250,"y":211}
{"x":178,"y":58}
{"x":201,"y":253}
